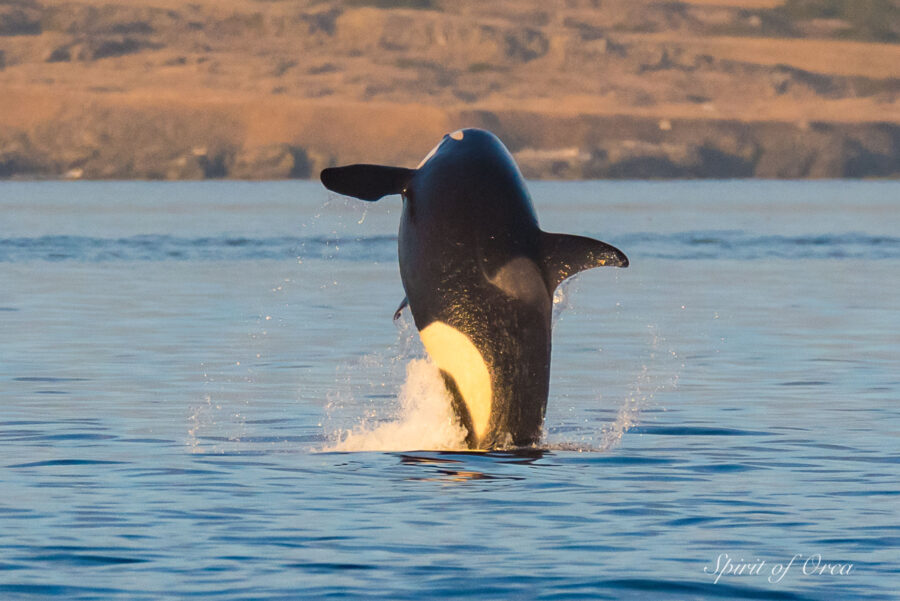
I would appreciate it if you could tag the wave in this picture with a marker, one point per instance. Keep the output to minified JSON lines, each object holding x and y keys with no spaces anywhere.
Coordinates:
{"x":694,"y":245}
{"x":742,"y":245}
{"x":161,"y":247}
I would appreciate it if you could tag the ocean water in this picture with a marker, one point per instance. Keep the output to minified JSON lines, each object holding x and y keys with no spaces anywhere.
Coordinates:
{"x":203,"y":395}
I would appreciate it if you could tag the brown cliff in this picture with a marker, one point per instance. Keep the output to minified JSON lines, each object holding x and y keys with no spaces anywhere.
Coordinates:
{"x":577,"y":88}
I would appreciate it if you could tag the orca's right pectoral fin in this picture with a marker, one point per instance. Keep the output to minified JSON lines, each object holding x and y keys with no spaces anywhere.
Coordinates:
{"x":565,"y":255}
{"x":366,"y":182}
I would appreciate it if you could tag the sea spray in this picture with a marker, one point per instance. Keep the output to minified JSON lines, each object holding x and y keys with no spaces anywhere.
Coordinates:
{"x":392,"y":400}
{"x":658,"y":372}
{"x":424,"y":419}
{"x":628,"y":413}
{"x":562,"y":298}
{"x":395,"y":400}
{"x":363,"y":414}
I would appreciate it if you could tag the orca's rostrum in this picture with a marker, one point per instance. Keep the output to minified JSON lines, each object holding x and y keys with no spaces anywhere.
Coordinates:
{"x":479,"y":276}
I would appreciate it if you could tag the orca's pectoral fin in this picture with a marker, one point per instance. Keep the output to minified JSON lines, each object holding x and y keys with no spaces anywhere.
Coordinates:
{"x":366,"y":182}
{"x":403,"y":304}
{"x":565,"y":255}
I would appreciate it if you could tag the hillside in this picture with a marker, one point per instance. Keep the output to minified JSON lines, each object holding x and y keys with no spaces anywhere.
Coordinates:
{"x":576,"y":88}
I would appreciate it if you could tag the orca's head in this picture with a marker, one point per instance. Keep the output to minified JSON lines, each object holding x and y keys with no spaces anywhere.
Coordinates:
{"x":471,"y":163}
{"x":466,"y":158}
{"x":470,"y":143}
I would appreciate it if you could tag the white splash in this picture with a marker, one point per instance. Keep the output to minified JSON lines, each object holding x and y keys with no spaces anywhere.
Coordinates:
{"x":424,"y":419}
{"x":420,"y":416}
{"x":562,"y":298}
{"x":628,"y":414}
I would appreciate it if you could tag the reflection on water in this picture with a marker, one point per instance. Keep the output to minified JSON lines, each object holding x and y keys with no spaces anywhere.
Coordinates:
{"x":446,"y":467}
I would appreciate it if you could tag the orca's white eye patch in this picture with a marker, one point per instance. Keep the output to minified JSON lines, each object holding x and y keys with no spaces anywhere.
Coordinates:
{"x":457,"y":135}
{"x":429,"y":155}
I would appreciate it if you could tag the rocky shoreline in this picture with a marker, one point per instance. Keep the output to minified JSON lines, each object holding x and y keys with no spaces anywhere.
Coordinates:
{"x":151,"y":145}
{"x":245,"y":89}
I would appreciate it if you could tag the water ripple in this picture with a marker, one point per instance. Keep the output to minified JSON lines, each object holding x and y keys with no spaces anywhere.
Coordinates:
{"x":65,"y":462}
{"x":715,"y":244}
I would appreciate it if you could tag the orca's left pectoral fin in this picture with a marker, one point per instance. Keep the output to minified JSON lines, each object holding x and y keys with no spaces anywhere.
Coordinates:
{"x":366,"y":182}
{"x":565,"y":255}
{"x":403,"y":304}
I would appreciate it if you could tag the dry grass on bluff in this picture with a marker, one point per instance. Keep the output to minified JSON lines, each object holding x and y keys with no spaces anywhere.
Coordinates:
{"x":577,"y":88}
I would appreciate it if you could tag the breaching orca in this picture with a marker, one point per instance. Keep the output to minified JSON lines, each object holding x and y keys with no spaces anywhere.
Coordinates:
{"x":479,"y":276}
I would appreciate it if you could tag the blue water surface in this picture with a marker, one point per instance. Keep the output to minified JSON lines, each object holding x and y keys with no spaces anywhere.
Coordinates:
{"x":723,"y":420}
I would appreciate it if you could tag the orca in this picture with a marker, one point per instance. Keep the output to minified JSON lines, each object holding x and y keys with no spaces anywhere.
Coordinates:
{"x":479,"y":276}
